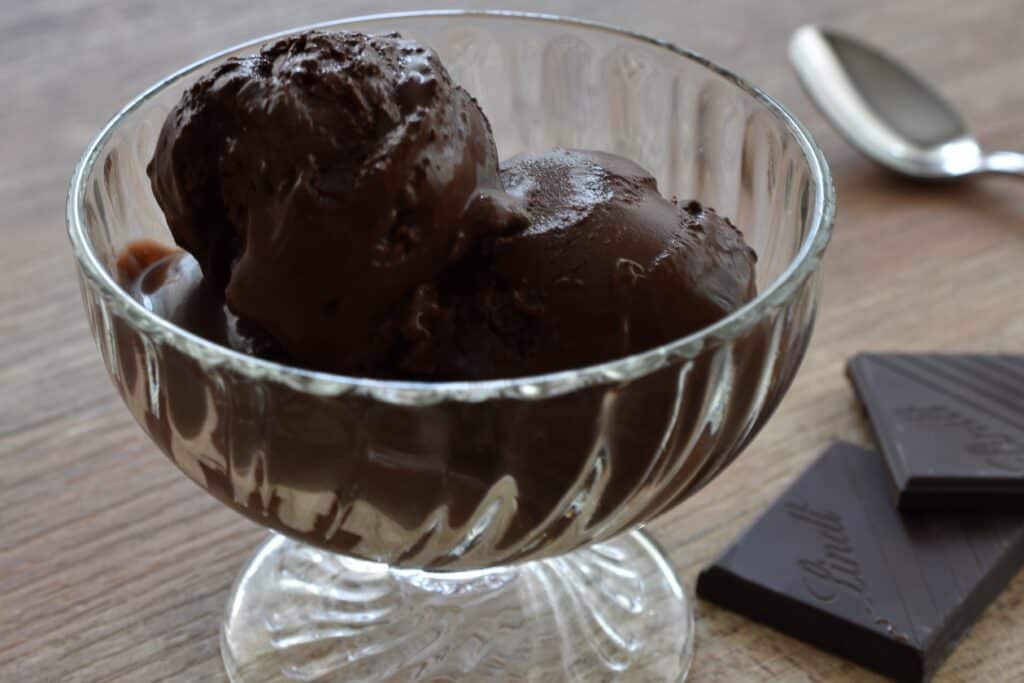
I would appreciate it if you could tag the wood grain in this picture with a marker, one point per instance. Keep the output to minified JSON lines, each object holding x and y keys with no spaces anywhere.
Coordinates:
{"x":113,"y":567}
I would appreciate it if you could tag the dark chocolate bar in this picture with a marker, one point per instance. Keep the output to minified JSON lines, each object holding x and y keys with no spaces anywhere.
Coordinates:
{"x":951,"y":427}
{"x":833,"y":563}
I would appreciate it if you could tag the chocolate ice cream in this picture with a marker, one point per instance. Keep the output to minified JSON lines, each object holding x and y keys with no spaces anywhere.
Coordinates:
{"x":343,"y":198}
{"x":324,"y":181}
{"x":344,"y":210}
{"x":606,"y":268}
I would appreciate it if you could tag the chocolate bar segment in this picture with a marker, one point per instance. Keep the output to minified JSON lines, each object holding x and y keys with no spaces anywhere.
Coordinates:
{"x":951,"y":427}
{"x":834,"y":564}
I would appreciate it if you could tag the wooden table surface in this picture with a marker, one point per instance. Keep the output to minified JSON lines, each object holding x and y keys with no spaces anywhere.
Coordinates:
{"x":113,"y":567}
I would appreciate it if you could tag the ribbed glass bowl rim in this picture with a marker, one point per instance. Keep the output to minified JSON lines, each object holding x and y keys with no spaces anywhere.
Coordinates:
{"x":213,"y":356}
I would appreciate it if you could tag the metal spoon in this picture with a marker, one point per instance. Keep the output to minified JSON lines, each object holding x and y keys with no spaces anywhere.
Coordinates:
{"x":888,"y":113}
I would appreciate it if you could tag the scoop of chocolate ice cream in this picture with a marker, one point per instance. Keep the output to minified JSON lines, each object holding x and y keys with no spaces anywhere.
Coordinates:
{"x":323,"y":183}
{"x":608,"y":267}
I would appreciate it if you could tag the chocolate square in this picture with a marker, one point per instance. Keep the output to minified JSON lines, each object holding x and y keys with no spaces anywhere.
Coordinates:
{"x":951,"y":427}
{"x":833,"y":563}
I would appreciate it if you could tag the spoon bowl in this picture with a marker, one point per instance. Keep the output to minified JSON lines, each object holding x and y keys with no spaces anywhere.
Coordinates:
{"x":889,"y":113}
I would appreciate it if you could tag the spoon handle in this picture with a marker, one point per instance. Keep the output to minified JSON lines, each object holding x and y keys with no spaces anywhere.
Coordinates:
{"x":1010,"y":163}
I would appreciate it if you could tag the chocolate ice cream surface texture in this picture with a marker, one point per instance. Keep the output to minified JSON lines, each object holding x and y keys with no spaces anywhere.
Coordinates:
{"x":607,"y":267}
{"x":322,"y":182}
{"x":344,"y":209}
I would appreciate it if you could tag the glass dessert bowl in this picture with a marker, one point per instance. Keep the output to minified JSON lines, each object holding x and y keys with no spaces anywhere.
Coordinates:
{"x":479,"y":530}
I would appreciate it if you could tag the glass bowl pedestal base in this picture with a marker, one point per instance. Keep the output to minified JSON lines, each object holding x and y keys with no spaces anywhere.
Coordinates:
{"x":611,"y":611}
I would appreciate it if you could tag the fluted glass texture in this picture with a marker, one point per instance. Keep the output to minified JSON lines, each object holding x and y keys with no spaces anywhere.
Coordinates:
{"x":473,"y":475}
